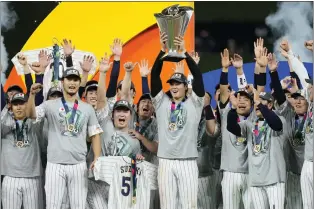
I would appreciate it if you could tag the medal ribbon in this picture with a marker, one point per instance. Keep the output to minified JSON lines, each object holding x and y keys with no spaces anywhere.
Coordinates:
{"x":299,"y":126}
{"x":74,"y":109}
{"x":134,"y":179}
{"x":142,"y":131}
{"x":19,"y":132}
{"x":173,"y":117}
{"x":258,"y":133}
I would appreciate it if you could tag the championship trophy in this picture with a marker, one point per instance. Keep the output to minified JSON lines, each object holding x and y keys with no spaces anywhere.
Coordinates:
{"x":173,"y":21}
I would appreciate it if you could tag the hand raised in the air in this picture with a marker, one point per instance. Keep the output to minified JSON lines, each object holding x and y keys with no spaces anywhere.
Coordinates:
{"x":104,"y":64}
{"x":35,"y":88}
{"x":129,"y":66}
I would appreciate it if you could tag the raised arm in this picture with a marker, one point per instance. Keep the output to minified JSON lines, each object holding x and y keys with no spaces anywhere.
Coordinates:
{"x":31,"y":107}
{"x":296,"y":64}
{"x":144,"y":71}
{"x":225,"y":62}
{"x":261,"y":63}
{"x":237,"y":62}
{"x":116,"y":49}
{"x":104,"y":66}
{"x":86,"y":66}
{"x":197,"y":85}
{"x":155,"y":81}
{"x":127,"y":80}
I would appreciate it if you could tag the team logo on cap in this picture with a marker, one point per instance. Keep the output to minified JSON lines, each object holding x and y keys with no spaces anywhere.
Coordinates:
{"x":123,"y":102}
{"x":176,"y":75}
{"x":262,"y":93}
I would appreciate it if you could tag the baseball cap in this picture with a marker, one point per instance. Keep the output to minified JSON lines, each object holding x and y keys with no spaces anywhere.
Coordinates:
{"x":266,"y":96}
{"x":120,"y":85}
{"x":179,"y":77}
{"x":122,"y":103}
{"x":19,"y":97}
{"x":245,"y":93}
{"x":91,"y":87}
{"x":145,"y":96}
{"x":54,"y":90}
{"x":15,"y":88}
{"x":309,"y":81}
{"x":71,"y":72}
{"x":297,"y":94}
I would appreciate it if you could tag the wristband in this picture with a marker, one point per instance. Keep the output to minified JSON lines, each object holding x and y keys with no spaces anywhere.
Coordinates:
{"x":242,"y":83}
{"x":224,"y":78}
{"x":209,"y":113}
{"x":261,"y":79}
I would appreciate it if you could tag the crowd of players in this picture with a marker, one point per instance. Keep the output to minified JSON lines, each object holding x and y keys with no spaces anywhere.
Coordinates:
{"x":88,"y":146}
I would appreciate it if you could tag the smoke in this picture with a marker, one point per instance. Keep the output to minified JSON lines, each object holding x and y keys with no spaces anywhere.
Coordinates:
{"x":293,"y":21}
{"x":8,"y":19}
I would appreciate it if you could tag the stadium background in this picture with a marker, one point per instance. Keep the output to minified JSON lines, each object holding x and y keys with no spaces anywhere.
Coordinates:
{"x":217,"y":25}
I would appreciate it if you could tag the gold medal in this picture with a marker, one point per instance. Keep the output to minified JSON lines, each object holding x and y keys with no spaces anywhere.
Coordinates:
{"x":240,"y":139}
{"x":257,"y":148}
{"x":307,"y":129}
{"x":71,"y":127}
{"x":172,"y":126}
{"x":19,"y":144}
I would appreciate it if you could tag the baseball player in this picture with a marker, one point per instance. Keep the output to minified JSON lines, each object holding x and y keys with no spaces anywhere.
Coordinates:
{"x":70,"y":121}
{"x":95,"y":94}
{"x":234,"y":151}
{"x":53,"y":93}
{"x":206,"y":198}
{"x":266,"y":137}
{"x":20,"y":157}
{"x":130,"y":182}
{"x":178,"y":118}
{"x":294,"y":150}
{"x":307,"y":169}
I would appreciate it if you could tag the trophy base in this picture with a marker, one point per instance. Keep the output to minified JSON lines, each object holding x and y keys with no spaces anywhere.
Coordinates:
{"x":173,"y":57}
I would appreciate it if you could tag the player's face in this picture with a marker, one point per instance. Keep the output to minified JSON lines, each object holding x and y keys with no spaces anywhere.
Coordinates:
{"x":145,"y":108}
{"x":206,"y":100}
{"x":300,"y":105}
{"x":121,"y":117}
{"x":19,"y":110}
{"x":289,"y":98}
{"x":71,"y":85}
{"x":91,"y":97}
{"x":177,"y":90}
{"x":244,"y":106}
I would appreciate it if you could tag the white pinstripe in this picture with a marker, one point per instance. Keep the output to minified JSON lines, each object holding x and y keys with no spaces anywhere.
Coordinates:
{"x":268,"y":197}
{"x":235,"y":188}
{"x":293,"y":191}
{"x":218,"y":179}
{"x":307,"y":184}
{"x":60,"y":178}
{"x":97,"y":195}
{"x":178,"y":176}
{"x":65,"y":200}
{"x":206,"y":197}
{"x":18,"y":191}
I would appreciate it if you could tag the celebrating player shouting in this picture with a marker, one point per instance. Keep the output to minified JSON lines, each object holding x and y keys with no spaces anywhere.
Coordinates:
{"x":178,"y":118}
{"x":70,"y":121}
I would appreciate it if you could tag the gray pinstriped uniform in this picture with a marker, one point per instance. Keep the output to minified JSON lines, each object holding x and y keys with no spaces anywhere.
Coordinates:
{"x":20,"y":166}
